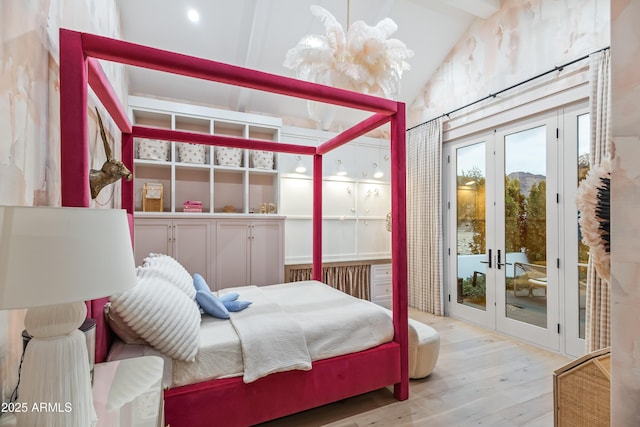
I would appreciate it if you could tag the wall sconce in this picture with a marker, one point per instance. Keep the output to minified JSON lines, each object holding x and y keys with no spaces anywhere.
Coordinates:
{"x":377,"y":172}
{"x":300,"y":167}
{"x":341,"y":170}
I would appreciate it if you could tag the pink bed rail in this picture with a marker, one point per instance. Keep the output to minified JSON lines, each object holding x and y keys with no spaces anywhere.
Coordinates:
{"x":79,"y":69}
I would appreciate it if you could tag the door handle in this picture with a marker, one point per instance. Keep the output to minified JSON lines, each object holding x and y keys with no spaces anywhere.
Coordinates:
{"x":500,"y":264}
{"x":488,"y":262}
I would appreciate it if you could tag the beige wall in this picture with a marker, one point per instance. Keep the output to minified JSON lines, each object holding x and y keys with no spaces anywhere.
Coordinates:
{"x":522,"y":39}
{"x":625,"y":205}
{"x":29,"y":118}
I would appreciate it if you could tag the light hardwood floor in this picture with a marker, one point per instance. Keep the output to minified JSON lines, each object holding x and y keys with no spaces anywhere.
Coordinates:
{"x":481,"y":378}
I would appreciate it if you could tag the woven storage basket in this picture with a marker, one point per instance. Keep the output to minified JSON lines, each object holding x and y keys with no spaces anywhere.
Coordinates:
{"x":191,"y":153}
{"x":262,"y":159}
{"x":581,"y":391}
{"x":153,"y":149}
{"x":227,"y":156}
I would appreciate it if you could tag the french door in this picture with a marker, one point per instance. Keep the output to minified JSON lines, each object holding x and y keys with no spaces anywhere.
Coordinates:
{"x":515,"y":261}
{"x":503,"y":248}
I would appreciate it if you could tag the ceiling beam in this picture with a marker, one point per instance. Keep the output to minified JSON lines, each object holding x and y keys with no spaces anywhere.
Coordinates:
{"x":252,"y":46}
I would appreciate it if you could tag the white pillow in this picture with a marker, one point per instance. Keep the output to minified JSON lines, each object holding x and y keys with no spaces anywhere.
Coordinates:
{"x":167,"y":267}
{"x":161,"y":314}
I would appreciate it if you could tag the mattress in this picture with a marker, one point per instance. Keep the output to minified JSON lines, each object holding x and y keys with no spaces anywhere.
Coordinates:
{"x":333,"y":323}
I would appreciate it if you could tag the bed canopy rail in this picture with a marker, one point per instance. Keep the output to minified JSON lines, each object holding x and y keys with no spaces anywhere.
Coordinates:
{"x":79,"y":68}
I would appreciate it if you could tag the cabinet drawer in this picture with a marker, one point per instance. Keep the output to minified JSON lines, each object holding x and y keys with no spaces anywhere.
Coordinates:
{"x":381,"y":290}
{"x":380,"y":272}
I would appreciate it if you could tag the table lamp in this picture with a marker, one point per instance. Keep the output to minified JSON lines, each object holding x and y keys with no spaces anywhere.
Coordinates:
{"x":52,"y":259}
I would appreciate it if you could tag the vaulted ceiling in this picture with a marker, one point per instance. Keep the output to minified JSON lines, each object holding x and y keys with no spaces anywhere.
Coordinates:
{"x":258,"y":33}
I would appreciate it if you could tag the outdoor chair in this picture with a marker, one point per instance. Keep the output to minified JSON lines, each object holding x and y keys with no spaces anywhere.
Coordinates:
{"x":529,"y":276}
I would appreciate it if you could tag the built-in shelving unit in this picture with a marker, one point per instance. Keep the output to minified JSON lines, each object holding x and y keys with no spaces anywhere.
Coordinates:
{"x":221,"y":187}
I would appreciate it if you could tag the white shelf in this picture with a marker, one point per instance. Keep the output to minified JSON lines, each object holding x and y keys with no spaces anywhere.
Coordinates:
{"x":242,"y":187}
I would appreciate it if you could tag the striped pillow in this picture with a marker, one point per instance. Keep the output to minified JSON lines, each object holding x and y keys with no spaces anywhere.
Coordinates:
{"x":167,"y":267}
{"x":161,"y":314}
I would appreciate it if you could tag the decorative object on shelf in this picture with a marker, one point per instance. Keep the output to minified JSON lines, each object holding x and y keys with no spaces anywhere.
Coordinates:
{"x":267,"y":208}
{"x":192,"y":206}
{"x":153,"y":149}
{"x":191,"y":153}
{"x":54,"y":260}
{"x":152,"y":197}
{"x":363,"y":59}
{"x":262,"y":159}
{"x":300,"y":167}
{"x":593,"y":202}
{"x":228,"y":209}
{"x":227,"y":156}
{"x":112,"y":169}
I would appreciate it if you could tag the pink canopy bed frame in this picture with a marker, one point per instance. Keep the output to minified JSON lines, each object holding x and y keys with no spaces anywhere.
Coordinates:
{"x":231,"y":401}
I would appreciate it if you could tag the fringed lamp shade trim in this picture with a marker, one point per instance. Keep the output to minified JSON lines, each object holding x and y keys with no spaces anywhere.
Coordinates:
{"x":593,"y":201}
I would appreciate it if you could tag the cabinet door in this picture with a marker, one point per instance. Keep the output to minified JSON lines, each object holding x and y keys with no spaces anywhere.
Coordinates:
{"x":231,"y":254}
{"x":267,"y":252}
{"x":152,"y":235}
{"x":192,"y":245}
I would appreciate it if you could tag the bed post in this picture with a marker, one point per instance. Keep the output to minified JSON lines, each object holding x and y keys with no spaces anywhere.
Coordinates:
{"x":74,"y":151}
{"x":316,"y":269}
{"x":399,"y":247}
{"x":127,"y":159}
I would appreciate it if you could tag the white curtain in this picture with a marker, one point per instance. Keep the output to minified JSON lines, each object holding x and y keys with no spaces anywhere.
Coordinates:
{"x":424,"y":225}
{"x":598,"y":304}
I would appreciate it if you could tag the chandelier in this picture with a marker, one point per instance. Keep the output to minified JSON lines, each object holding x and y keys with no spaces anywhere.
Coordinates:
{"x":363,"y":59}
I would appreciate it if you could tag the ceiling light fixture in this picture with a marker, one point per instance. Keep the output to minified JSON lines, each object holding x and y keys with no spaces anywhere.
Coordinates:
{"x":300,"y":167}
{"x":193,"y":15}
{"x":341,"y":170}
{"x":363,"y":59}
{"x":377,"y":172}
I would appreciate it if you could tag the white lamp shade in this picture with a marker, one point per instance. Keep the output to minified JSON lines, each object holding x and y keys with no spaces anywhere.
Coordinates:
{"x":54,"y":255}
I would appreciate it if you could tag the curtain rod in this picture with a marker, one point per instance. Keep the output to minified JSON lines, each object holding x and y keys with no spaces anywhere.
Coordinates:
{"x":493,"y":95}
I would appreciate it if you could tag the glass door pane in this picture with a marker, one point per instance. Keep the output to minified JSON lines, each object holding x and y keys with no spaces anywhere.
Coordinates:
{"x":525,"y":226}
{"x":471,"y":226}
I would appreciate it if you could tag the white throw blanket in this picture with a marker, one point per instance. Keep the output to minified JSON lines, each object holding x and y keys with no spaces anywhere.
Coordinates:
{"x":271,"y":340}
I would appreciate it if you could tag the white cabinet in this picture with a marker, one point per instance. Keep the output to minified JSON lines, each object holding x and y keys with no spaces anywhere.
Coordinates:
{"x":188,"y":240}
{"x":381,"y":286}
{"x":224,"y":180}
{"x":226,"y":250}
{"x":354,"y":205}
{"x":249,"y":252}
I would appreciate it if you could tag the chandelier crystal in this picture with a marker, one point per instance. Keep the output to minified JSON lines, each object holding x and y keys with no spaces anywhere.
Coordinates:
{"x":363,"y":59}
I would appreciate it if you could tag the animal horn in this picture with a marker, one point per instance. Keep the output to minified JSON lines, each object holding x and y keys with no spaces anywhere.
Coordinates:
{"x":103,"y":135}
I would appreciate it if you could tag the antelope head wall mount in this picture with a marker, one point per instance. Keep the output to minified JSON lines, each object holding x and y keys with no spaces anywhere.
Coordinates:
{"x":112,"y":170}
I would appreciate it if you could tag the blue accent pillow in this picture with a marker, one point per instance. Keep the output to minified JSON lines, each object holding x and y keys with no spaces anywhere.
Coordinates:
{"x":236,"y":305}
{"x":232,"y":296}
{"x":199,"y":283}
{"x":211,"y":304}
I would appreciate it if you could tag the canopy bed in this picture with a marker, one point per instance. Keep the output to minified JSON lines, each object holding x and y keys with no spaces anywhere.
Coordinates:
{"x":270,"y":397}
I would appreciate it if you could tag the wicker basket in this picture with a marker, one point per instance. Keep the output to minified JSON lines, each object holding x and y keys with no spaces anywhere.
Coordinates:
{"x":581,"y":391}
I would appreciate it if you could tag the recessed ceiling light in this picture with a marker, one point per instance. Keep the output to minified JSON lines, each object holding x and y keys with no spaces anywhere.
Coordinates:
{"x":193,"y":15}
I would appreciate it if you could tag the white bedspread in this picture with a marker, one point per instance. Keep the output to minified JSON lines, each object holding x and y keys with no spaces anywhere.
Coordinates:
{"x":333,"y":324}
{"x":271,"y":340}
